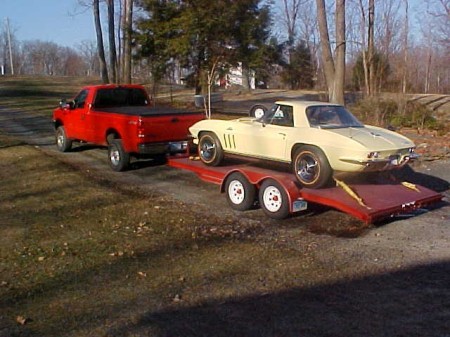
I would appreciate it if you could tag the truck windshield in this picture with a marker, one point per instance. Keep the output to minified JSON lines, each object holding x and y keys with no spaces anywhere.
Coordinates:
{"x":330,"y":117}
{"x":120,"y":97}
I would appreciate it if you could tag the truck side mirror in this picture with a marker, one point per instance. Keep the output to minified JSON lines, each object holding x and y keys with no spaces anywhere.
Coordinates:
{"x":63,"y":104}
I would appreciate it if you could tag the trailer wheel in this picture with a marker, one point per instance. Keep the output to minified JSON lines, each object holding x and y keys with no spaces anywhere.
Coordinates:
{"x":311,"y":167}
{"x":257,"y":111}
{"x":63,"y":144}
{"x":240,"y":192}
{"x":209,"y":149}
{"x":119,"y":159}
{"x":274,"y":200}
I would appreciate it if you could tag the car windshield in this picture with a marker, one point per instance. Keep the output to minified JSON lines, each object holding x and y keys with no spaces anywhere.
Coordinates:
{"x":330,"y":117}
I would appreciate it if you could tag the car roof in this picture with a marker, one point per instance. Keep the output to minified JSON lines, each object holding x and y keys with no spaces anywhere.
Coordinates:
{"x":304,"y":104}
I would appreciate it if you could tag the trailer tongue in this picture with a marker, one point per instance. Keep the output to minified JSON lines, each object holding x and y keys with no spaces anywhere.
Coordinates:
{"x":280,"y":195}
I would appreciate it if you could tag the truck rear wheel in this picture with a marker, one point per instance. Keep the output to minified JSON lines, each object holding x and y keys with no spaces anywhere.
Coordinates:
{"x":240,"y":192}
{"x":274,"y":200}
{"x":209,"y":149}
{"x":63,"y":144}
{"x":119,"y":160}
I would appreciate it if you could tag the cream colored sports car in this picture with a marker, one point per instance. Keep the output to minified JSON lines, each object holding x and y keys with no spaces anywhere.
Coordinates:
{"x":317,"y":138}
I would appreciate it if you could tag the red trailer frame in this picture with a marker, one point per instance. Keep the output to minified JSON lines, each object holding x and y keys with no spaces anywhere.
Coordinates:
{"x":377,"y":200}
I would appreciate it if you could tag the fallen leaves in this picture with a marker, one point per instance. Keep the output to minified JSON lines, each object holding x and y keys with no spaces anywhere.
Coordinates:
{"x":22,"y":320}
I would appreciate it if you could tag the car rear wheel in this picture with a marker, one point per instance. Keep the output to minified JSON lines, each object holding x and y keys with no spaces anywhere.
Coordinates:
{"x":274,"y":200}
{"x":209,"y":149}
{"x":240,"y":192}
{"x":311,"y":167}
{"x":63,"y":144}
{"x":119,"y":159}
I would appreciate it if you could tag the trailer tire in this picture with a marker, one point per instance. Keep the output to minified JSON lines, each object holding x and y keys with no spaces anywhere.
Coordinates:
{"x":240,"y":192}
{"x":119,"y":159}
{"x":63,"y":144}
{"x":258,"y":111}
{"x":273,"y":199}
{"x":209,"y":149}
{"x":311,"y":167}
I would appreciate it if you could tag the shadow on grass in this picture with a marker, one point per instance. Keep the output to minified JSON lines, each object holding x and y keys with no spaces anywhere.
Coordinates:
{"x":412,"y":302}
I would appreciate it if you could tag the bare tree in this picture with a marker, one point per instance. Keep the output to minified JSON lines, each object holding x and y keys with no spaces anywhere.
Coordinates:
{"x":100,"y":47}
{"x":112,"y":41}
{"x":127,"y":30}
{"x":334,"y":67}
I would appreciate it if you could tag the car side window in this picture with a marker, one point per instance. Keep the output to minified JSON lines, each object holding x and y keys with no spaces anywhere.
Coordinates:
{"x":282,"y":115}
{"x":80,"y":99}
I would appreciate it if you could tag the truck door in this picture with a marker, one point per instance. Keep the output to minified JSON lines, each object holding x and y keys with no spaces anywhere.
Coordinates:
{"x":75,"y":117}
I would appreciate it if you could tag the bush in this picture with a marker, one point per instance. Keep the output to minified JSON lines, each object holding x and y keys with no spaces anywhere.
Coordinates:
{"x":389,"y":112}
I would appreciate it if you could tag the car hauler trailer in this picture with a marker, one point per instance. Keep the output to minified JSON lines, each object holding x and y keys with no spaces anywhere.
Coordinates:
{"x":279,"y":194}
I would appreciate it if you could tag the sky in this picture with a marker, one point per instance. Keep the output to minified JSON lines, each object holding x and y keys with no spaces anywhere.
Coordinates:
{"x":63,"y":22}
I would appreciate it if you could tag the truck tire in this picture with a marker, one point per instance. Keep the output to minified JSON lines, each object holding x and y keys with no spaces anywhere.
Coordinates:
{"x":119,"y":160}
{"x":273,"y":200}
{"x":311,"y":167}
{"x":209,"y":149}
{"x":63,"y":144}
{"x":257,"y":111}
{"x":240,"y":192}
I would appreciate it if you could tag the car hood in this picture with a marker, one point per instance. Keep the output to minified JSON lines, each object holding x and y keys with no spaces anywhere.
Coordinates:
{"x":374,"y":138}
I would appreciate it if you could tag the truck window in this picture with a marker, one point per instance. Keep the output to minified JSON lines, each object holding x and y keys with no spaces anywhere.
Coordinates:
{"x":120,"y":97}
{"x":80,"y":99}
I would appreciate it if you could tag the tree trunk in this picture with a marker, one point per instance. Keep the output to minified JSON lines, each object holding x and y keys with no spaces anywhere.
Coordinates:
{"x":334,"y":71}
{"x":340,"y":53}
{"x":112,"y":42}
{"x":100,"y":47}
{"x":127,"y":30}
{"x":371,"y":48}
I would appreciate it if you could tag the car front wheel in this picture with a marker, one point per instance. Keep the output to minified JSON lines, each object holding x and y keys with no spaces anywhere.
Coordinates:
{"x":209,"y":149}
{"x":311,"y":167}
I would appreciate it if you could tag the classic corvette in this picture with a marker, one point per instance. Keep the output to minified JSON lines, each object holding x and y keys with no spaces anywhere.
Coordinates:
{"x":317,"y":138}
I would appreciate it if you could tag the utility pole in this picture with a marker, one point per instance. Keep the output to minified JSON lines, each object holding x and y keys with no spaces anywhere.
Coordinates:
{"x":9,"y":46}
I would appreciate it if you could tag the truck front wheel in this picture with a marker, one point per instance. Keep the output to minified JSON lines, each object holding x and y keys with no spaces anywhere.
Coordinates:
{"x":119,"y":160}
{"x":63,"y":144}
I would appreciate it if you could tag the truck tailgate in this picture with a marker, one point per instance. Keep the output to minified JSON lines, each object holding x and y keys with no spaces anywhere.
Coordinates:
{"x":163,"y":127}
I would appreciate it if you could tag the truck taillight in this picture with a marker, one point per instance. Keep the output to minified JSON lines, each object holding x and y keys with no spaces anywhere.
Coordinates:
{"x":140,"y":127}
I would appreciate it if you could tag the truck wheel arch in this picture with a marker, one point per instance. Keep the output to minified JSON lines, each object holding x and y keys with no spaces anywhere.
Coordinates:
{"x":112,"y":135}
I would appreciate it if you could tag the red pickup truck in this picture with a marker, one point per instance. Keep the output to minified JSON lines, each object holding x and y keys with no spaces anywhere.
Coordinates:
{"x":121,"y":117}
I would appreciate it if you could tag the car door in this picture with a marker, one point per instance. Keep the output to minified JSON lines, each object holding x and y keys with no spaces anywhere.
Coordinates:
{"x":269,"y":138}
